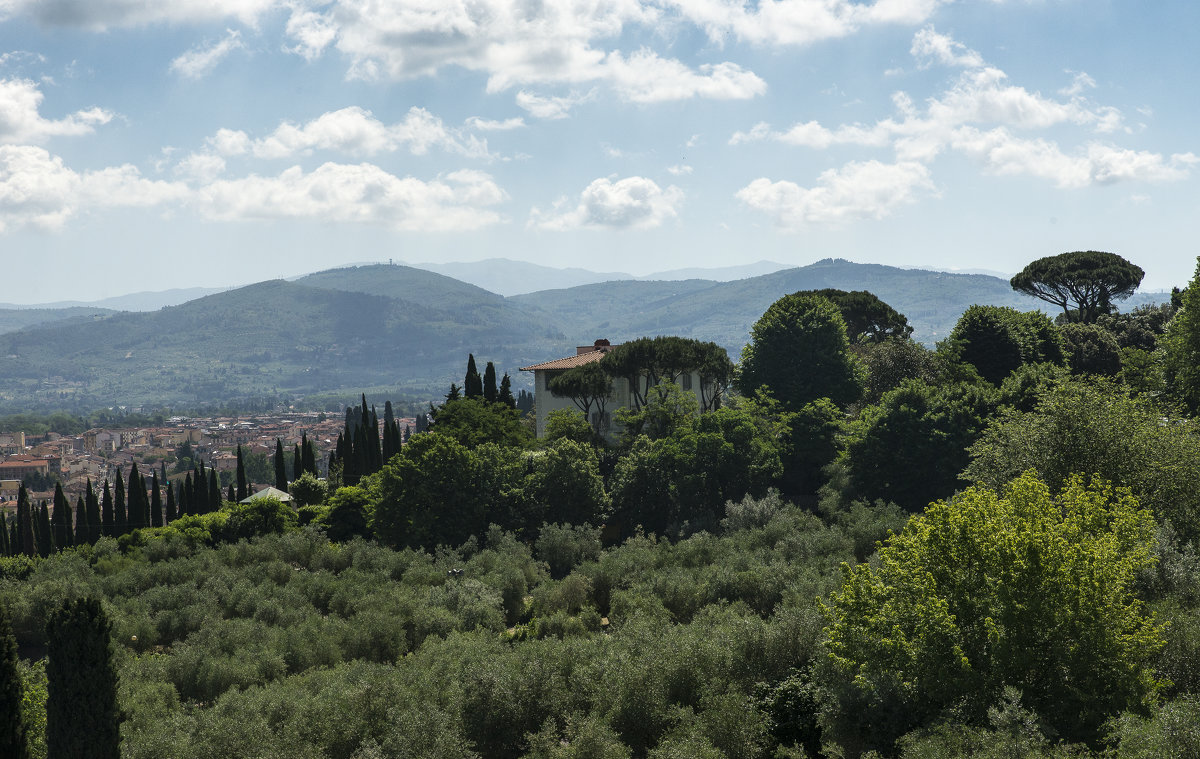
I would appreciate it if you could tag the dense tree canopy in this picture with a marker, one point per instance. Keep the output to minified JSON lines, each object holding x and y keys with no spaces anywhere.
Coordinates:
{"x":798,"y":349}
{"x":868,"y":319}
{"x":1084,"y":284}
{"x":1022,"y":588}
{"x":1181,"y":348}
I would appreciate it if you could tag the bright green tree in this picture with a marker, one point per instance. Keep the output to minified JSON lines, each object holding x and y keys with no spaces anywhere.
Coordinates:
{"x":430,"y":493}
{"x":1083,"y":284}
{"x":473,"y":421}
{"x":798,"y":349}
{"x":82,"y":716}
{"x":1023,"y":588}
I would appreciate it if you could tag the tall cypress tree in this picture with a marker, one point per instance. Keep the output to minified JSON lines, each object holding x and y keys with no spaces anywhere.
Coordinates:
{"x":231,"y":494}
{"x":93,"y":513}
{"x":60,"y":521}
{"x":28,"y":540}
{"x":489,"y":383}
{"x":187,"y":504}
{"x":376,"y":452}
{"x":156,"y":511}
{"x":243,"y":487}
{"x":108,"y":520}
{"x":505,"y":395}
{"x":214,"y":491}
{"x":297,"y":462}
{"x":81,"y":523}
{"x":472,"y":383}
{"x":135,"y":517}
{"x":82,"y":718}
{"x":308,"y":455}
{"x":200,"y":499}
{"x":120,"y":512}
{"x":13,"y":741}
{"x":43,"y":533}
{"x":5,"y":546}
{"x":281,"y":481}
{"x":172,"y":508}
{"x":391,"y":442}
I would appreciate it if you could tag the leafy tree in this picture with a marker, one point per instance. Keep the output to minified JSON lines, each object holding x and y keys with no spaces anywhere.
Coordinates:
{"x":430,"y":494}
{"x":1091,"y":349}
{"x":568,"y":424}
{"x":13,"y":742}
{"x":996,"y":340}
{"x":308,"y":490}
{"x":868,"y":319}
{"x":1023,"y":589}
{"x":1083,"y":284}
{"x":589,"y":387}
{"x":910,"y":448}
{"x":349,"y":509}
{"x":813,"y":434}
{"x":473,"y":421}
{"x":798,"y":349}
{"x":82,"y":716}
{"x":565,"y":477}
{"x":1181,"y":348}
{"x":890,"y":362}
{"x":1097,"y":428}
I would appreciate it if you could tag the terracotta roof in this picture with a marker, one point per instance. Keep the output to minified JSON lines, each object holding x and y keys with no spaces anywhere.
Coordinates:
{"x":570,"y":362}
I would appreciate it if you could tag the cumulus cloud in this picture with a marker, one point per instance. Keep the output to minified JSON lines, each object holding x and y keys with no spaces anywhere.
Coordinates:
{"x":361,"y":193}
{"x":99,"y":15}
{"x":353,"y":131}
{"x":549,"y":106}
{"x":798,"y":22}
{"x":312,"y":31}
{"x":490,"y":125}
{"x":38,"y":190}
{"x":928,"y":46}
{"x":21,"y":121}
{"x":199,"y":61}
{"x":858,"y":190}
{"x":630,"y":203}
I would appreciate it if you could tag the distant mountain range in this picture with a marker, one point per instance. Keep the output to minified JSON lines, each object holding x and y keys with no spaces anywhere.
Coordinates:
{"x":406,"y":329}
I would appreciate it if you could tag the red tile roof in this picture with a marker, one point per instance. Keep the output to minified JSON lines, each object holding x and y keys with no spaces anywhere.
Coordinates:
{"x":570,"y":362}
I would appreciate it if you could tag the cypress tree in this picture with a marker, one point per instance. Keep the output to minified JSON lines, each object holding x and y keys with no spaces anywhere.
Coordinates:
{"x":505,"y":395}
{"x":489,"y":383}
{"x":472,"y":383}
{"x":454,"y":393}
{"x":26,"y":541}
{"x":108,"y":520}
{"x":308,"y":455}
{"x":231,"y":495}
{"x":120,"y":512}
{"x":93,"y":513}
{"x":172,"y":513}
{"x":199,"y":501}
{"x":43,"y":533}
{"x":243,"y":487}
{"x":156,"y":512}
{"x":187,"y":504}
{"x":376,"y":452}
{"x":297,"y":462}
{"x":391,"y":445}
{"x":214,"y":491}
{"x":135,"y":519}
{"x":13,"y":742}
{"x":81,"y":523}
{"x":280,"y":472}
{"x":82,"y":718}
{"x":407,"y":434}
{"x":5,"y":546}
{"x":60,"y":521}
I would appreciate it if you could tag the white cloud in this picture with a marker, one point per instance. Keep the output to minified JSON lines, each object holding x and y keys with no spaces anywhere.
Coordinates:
{"x":489,"y":125}
{"x":630,"y":203}
{"x":353,"y":131}
{"x":929,"y":46}
{"x":21,"y":122}
{"x":361,"y":193}
{"x":201,"y":167}
{"x":1079,"y":84}
{"x":550,"y":107}
{"x":199,"y":61}
{"x":313,"y":32}
{"x":679,"y":170}
{"x":99,"y":15}
{"x":859,"y":190}
{"x":38,"y":190}
{"x":644,"y":77}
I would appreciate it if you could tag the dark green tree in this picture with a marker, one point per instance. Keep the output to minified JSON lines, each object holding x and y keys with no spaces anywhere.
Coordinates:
{"x":490,"y":392}
{"x":297,"y":462}
{"x":27,"y":538}
{"x":94,"y":520}
{"x":798,"y":349}
{"x":243,"y":485}
{"x":472,"y":383}
{"x":868,"y":319}
{"x":172,"y":507}
{"x":156,"y":504}
{"x":590,"y":388}
{"x":431,"y":494}
{"x":280,"y":472}
{"x":81,"y":525}
{"x":473,"y":421}
{"x":120,"y":512}
{"x":504,"y":394}
{"x":1083,"y":284}
{"x":60,"y":520}
{"x":13,"y":741}
{"x":214,"y":491}
{"x":1181,"y":348}
{"x":108,"y":520}
{"x":1091,"y":349}
{"x":82,"y":716}
{"x":43,"y":531}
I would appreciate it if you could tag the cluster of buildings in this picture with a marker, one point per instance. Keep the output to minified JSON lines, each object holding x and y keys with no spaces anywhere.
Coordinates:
{"x":99,"y":453}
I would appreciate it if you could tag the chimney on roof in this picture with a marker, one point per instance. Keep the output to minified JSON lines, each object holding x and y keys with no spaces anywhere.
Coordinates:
{"x":600,"y":345}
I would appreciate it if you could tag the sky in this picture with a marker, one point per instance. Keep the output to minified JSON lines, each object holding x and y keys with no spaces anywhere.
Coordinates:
{"x":156,"y":144}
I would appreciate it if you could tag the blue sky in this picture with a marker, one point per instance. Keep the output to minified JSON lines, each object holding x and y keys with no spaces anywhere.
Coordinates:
{"x":177,"y":143}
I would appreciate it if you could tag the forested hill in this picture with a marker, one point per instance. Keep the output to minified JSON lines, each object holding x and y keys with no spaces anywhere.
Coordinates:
{"x":405,"y":328}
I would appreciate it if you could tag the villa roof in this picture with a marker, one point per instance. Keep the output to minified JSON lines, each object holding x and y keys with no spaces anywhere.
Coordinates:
{"x":570,"y":362}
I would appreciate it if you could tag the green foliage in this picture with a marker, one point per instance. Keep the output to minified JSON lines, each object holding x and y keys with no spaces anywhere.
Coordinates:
{"x":890,"y":362}
{"x":1023,"y":589}
{"x":868,"y":319}
{"x":308,"y":490}
{"x":1091,"y":349}
{"x":1098,"y":428}
{"x":997,"y":341}
{"x":911,"y":447}
{"x":1083,"y":284}
{"x":568,"y":424}
{"x":589,"y":387}
{"x":1181,"y":348}
{"x":474,"y":421}
{"x":350,"y":512}
{"x":82,"y":715}
{"x":565,"y":546}
{"x":813,"y":443}
{"x":648,"y":364}
{"x":564,"y":480}
{"x":262,"y":516}
{"x":13,"y":741}
{"x":798,"y":349}
{"x":1174,"y":730}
